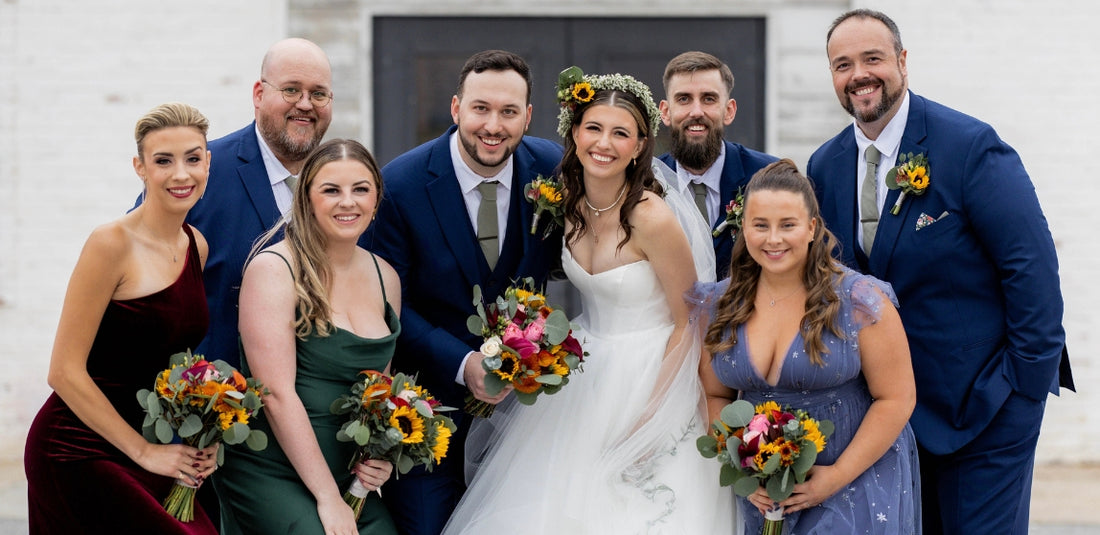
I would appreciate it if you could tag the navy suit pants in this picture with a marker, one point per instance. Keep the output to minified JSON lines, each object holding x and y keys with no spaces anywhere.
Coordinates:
{"x":985,"y":487}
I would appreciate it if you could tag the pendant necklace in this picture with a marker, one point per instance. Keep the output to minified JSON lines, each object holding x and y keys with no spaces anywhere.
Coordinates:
{"x":597,"y":211}
{"x":773,"y":300}
{"x":175,"y":259}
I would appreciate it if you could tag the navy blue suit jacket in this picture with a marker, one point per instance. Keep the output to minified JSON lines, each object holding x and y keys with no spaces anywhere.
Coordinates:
{"x":979,"y":291}
{"x":237,"y":207}
{"x":423,"y":230}
{"x":739,"y":166}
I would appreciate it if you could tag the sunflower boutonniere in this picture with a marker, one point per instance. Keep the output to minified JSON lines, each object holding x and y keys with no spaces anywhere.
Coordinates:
{"x":912,"y":175}
{"x":546,"y":195}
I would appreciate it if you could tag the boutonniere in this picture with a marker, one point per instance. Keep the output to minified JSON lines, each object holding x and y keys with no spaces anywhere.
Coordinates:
{"x":546,"y":195}
{"x":734,"y":211}
{"x":911,"y":175}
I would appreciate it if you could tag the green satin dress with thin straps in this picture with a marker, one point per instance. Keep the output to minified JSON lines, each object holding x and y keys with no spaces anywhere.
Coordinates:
{"x":260,"y":492}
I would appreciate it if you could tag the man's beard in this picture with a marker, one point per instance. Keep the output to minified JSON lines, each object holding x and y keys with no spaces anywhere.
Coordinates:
{"x":697,"y":156}
{"x":878,"y":112}
{"x":470,"y":145}
{"x":283,"y":145}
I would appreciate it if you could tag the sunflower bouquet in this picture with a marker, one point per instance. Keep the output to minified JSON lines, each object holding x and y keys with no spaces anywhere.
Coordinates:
{"x":546,"y":195}
{"x":911,"y":176}
{"x":393,"y":419}
{"x":527,"y":344}
{"x":766,"y":445}
{"x":200,"y":403}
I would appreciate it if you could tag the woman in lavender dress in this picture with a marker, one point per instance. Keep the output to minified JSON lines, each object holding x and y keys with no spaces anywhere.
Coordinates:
{"x":791,"y":325}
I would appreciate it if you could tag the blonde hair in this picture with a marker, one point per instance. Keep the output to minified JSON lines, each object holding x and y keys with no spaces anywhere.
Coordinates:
{"x":169,"y":115}
{"x":303,"y":236}
{"x":819,"y":276}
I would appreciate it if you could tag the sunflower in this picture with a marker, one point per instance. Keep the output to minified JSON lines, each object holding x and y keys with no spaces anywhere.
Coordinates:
{"x":918,"y":178}
{"x":550,"y":193}
{"x":788,"y":451}
{"x":813,"y":434}
{"x":163,"y":388}
{"x":409,"y":422}
{"x":442,"y":442}
{"x":767,"y":407}
{"x":509,"y":365}
{"x":582,"y":92}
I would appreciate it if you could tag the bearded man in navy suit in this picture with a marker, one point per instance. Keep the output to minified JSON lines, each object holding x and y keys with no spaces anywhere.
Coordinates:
{"x":974,"y":267}
{"x":428,"y":230}
{"x":696,"y":107}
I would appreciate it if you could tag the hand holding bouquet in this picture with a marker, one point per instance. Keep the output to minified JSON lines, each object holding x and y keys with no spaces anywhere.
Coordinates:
{"x":202,"y":403}
{"x":528,"y":344}
{"x":764,"y":446}
{"x":395,"y":420}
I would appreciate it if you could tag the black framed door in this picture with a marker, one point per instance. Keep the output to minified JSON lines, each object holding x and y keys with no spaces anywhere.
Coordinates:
{"x":417,"y":60}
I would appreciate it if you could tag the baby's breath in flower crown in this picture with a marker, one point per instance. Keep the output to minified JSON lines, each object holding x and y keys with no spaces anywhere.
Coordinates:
{"x":575,"y":88}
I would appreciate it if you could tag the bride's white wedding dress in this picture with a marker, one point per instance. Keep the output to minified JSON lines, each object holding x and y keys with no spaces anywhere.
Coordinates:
{"x":614,"y":451}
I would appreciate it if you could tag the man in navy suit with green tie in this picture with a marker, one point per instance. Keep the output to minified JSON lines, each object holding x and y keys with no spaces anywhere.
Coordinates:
{"x":967,"y":249}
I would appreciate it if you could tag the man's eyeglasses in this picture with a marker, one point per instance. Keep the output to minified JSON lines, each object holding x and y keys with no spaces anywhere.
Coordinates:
{"x":293,"y":95}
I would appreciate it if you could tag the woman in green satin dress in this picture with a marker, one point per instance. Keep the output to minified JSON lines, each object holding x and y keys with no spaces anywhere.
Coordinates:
{"x":315,"y":310}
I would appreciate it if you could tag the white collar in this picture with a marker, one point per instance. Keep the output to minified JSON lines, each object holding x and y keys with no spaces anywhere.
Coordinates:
{"x":276,"y":171}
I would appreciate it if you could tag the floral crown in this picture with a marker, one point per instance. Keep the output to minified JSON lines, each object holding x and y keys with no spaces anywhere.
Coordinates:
{"x":575,"y":87}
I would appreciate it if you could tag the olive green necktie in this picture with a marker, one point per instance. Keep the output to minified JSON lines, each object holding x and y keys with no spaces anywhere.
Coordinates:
{"x":868,"y":200}
{"x":701,"y":199}
{"x":487,"y":222}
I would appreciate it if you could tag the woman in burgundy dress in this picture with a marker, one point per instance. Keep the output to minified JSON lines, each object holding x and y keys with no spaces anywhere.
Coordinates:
{"x":135,"y":298}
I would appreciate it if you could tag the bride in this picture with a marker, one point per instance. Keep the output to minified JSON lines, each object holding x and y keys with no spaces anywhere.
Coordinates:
{"x":613,"y":452}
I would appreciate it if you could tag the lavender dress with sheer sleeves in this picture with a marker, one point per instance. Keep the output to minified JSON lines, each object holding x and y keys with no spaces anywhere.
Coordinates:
{"x":885,"y":499}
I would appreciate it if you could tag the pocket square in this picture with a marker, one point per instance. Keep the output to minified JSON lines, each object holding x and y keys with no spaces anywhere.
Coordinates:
{"x":924,"y":220}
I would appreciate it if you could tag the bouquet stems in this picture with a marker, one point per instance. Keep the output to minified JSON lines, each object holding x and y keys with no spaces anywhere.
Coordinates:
{"x":477,"y":408}
{"x":356,"y":496}
{"x":773,"y":521}
{"x":180,"y":502}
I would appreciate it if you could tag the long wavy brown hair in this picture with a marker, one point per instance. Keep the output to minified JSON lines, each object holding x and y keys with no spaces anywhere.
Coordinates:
{"x":819,"y":275}
{"x":313,"y":273}
{"x":639,"y":174}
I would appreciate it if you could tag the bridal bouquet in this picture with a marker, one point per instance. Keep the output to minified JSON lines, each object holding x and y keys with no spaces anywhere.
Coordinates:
{"x":201,"y":403}
{"x":527,"y":344}
{"x":766,"y":445}
{"x":393,"y":419}
{"x":546,"y":195}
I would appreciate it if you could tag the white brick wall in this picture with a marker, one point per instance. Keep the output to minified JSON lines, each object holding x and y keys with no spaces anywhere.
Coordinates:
{"x":75,"y":77}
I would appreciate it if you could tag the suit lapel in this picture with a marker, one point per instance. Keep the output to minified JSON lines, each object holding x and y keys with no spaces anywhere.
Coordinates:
{"x":844,"y":202}
{"x":890,"y":226}
{"x":253,"y":176}
{"x":449,"y":210}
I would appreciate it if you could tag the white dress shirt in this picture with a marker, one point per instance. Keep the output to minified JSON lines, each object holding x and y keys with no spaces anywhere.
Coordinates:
{"x":277,"y":174}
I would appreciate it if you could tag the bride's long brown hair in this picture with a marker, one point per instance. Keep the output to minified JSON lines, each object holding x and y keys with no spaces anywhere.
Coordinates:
{"x":737,"y":304}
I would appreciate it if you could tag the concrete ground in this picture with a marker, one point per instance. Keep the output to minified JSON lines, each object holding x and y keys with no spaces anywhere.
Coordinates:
{"x":1064,"y":500}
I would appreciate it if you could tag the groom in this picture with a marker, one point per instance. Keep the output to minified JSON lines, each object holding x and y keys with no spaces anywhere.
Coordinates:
{"x":974,"y":268}
{"x":454,"y":216}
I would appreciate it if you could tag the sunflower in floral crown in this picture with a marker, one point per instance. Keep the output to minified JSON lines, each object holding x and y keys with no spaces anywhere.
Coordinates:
{"x":582,"y":92}
{"x":409,"y":422}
